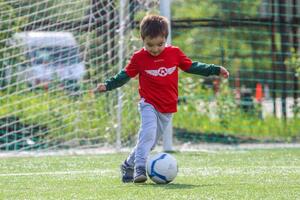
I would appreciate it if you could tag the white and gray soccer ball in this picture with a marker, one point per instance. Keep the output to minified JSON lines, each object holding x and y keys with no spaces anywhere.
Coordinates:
{"x":162,"y":168}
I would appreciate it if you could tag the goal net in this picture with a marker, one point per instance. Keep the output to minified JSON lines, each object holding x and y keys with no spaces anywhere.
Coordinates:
{"x":52,"y":55}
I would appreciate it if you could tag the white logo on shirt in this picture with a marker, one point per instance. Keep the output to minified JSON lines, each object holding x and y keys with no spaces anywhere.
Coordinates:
{"x":161,"y":71}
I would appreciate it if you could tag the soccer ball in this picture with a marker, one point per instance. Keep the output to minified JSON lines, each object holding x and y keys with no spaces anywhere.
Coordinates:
{"x":162,"y":168}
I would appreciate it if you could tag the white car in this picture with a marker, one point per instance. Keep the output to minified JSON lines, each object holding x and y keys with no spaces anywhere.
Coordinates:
{"x":49,"y":56}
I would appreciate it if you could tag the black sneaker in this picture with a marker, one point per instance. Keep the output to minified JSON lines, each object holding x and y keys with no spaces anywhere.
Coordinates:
{"x":126,"y":172}
{"x":140,"y":175}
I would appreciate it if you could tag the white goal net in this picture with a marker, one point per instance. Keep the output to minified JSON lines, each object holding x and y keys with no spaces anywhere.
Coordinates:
{"x":52,"y":54}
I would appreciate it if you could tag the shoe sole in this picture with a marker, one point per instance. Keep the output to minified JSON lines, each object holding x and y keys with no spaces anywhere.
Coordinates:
{"x":140,"y":179}
{"x":127,"y":180}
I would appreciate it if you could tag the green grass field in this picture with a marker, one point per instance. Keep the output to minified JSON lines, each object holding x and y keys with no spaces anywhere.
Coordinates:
{"x":221,"y":174}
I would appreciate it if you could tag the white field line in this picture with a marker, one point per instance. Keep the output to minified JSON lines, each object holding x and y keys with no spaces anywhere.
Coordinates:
{"x":70,"y":152}
{"x":185,"y":147}
{"x":55,"y":173}
{"x":214,"y":147}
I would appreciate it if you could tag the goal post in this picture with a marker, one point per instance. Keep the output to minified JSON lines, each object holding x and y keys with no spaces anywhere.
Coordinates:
{"x":165,"y":10}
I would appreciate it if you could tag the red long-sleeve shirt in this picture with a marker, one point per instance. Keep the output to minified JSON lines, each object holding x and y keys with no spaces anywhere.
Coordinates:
{"x":158,"y":76}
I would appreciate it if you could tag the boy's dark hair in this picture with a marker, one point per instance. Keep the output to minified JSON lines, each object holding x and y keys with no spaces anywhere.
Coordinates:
{"x":153,"y":26}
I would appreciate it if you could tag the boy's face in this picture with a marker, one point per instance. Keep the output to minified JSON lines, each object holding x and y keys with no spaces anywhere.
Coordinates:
{"x":155,"y":45}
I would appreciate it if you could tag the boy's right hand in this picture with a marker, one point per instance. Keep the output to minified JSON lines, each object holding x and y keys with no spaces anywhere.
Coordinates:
{"x":101,"y":88}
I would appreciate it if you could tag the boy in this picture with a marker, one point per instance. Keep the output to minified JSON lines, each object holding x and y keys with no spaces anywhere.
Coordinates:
{"x":157,"y":66}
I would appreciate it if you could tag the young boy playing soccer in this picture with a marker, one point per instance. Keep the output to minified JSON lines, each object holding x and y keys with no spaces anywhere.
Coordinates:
{"x":157,"y":65}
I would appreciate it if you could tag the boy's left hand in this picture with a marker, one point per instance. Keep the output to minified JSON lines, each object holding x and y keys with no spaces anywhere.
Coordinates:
{"x":224,"y":72}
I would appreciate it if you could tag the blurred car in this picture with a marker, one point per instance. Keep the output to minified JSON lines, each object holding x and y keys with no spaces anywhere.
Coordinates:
{"x":48,"y":56}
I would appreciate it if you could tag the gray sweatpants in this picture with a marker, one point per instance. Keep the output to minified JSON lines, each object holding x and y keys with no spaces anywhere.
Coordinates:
{"x":153,"y":125}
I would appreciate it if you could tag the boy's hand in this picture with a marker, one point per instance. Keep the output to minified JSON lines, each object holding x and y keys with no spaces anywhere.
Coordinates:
{"x":100,"y":88}
{"x":224,"y":72}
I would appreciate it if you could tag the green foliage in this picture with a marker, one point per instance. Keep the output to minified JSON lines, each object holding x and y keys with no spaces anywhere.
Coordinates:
{"x":222,"y":115}
{"x":193,"y":9}
{"x":8,"y":55}
{"x":238,"y":48}
{"x":7,"y":13}
{"x":51,"y":9}
{"x":66,"y":118}
{"x":293,"y":62}
{"x":214,"y":8}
